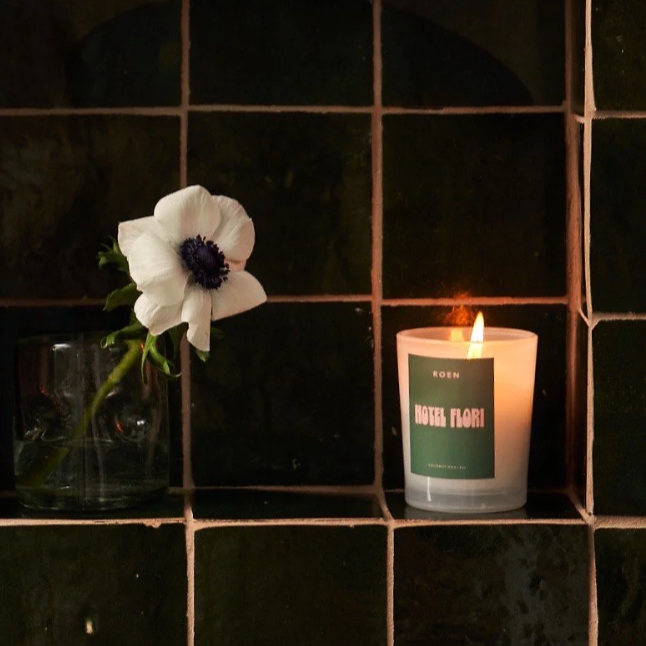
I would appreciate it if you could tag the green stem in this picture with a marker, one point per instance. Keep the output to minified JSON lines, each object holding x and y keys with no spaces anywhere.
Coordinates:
{"x":38,"y":476}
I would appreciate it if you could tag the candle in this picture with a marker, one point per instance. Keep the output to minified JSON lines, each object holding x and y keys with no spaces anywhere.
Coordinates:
{"x":466,"y":403}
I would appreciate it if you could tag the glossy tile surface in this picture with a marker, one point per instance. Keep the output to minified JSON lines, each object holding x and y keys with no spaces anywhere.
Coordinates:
{"x":285,"y":52}
{"x":84,"y":585}
{"x":473,"y":205}
{"x":324,"y":585}
{"x":65,"y":183}
{"x":286,"y":398}
{"x":512,"y":584}
{"x":21,"y":322}
{"x":619,"y":349}
{"x":75,"y":53}
{"x":438,"y":53}
{"x":620,"y":558}
{"x":619,"y":63}
{"x":546,"y":459}
{"x":265,"y":505}
{"x":540,"y":506}
{"x":618,"y":226}
{"x":305,"y":180}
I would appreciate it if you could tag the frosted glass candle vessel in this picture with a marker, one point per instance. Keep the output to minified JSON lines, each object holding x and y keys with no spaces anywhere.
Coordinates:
{"x":466,"y":417}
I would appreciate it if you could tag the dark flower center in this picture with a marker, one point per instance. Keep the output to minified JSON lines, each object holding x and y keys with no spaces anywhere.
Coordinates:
{"x":205,"y":261}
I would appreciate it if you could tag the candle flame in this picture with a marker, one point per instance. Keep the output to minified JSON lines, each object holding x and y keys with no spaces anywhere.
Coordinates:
{"x":477,"y":338}
{"x":477,"y":335}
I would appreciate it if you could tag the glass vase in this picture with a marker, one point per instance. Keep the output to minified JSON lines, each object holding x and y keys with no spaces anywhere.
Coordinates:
{"x":91,"y":430}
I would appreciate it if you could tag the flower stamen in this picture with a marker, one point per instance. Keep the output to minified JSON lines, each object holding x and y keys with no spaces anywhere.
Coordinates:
{"x":206,"y":262}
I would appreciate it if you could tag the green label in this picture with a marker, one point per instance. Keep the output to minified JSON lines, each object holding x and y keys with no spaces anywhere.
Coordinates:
{"x":451,"y":417}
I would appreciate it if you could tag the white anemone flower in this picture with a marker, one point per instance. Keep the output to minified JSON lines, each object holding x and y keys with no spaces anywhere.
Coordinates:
{"x":188,"y":261}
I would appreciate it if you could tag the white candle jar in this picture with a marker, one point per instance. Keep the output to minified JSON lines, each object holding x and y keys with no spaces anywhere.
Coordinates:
{"x":466,"y":417}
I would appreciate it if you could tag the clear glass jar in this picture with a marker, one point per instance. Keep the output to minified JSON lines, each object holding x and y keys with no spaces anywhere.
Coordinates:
{"x":89,"y":433}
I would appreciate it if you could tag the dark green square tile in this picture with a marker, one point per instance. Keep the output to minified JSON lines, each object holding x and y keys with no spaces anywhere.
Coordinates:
{"x":20,"y":322}
{"x":619,"y":54}
{"x":577,"y":27}
{"x":621,"y":585}
{"x":65,"y":183}
{"x":93,"y":585}
{"x":617,"y":223}
{"x":242,"y":504}
{"x":540,"y":506}
{"x":305,"y":179}
{"x":547,"y":449}
{"x":284,"y":586}
{"x":281,"y":53}
{"x":78,"y":53}
{"x":474,"y":205}
{"x":438,"y":53}
{"x":287,"y":398}
{"x":511,"y":584}
{"x":619,"y":476}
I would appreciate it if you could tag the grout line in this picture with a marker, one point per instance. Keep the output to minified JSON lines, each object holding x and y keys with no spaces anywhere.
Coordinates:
{"x":390,"y":585}
{"x":377,"y":245}
{"x":589,"y":479}
{"x":321,"y":298}
{"x":472,"y":521}
{"x":599,"y":317}
{"x":465,"y":110}
{"x":593,"y":613}
{"x":185,"y":358}
{"x":210,"y":523}
{"x":155,"y":523}
{"x":585,"y":317}
{"x":573,"y":258}
{"x":620,"y":522}
{"x":335,"y":298}
{"x":190,"y":571}
{"x":617,"y":114}
{"x":478,"y":300}
{"x":173,"y":111}
{"x":170,"y":111}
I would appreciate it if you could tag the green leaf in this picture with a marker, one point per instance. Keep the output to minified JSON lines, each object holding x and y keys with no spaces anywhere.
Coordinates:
{"x":151,"y":342}
{"x":162,"y":363}
{"x":125,"y":296}
{"x":129,"y":331}
{"x":203,"y":356}
{"x":111,"y":255}
{"x":176,"y":333}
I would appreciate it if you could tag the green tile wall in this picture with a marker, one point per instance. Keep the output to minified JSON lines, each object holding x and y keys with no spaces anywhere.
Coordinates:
{"x":406,"y":163}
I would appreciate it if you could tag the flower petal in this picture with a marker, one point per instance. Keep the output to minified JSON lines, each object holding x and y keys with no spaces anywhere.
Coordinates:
{"x":196,"y":311}
{"x":157,"y":270}
{"x":131,"y":230}
{"x":236,"y":235}
{"x":240,"y":292}
{"x":188,"y":213}
{"x":157,"y":318}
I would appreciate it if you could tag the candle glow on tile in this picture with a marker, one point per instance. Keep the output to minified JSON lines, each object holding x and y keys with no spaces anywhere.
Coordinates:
{"x":466,"y":400}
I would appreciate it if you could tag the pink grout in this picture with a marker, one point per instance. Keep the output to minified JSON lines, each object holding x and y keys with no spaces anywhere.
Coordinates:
{"x":599,"y":317}
{"x":479,"y":300}
{"x":574,"y":260}
{"x":617,"y":114}
{"x":155,"y":523}
{"x":171,"y":111}
{"x":593,"y":613}
{"x":390,"y":585}
{"x":308,"y":109}
{"x":620,"y":522}
{"x":322,"y":298}
{"x":190,"y":571}
{"x":185,"y":358}
{"x":287,"y":522}
{"x":377,"y":240}
{"x":522,"y":109}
